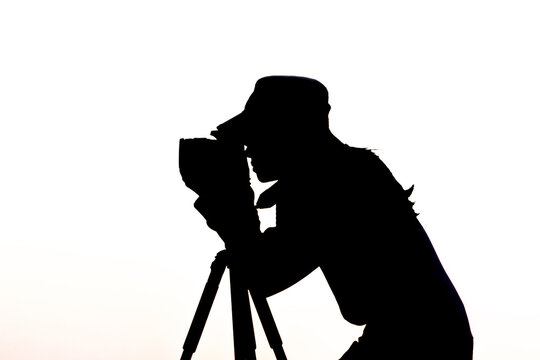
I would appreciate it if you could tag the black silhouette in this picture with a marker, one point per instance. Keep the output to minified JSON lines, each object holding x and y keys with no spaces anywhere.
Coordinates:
{"x":338,"y":208}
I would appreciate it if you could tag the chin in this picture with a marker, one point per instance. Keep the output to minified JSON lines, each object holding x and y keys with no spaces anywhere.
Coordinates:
{"x":265,"y":177}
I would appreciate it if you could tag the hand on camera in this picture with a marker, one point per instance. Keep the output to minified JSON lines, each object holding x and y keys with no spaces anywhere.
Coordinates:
{"x":229,"y":219}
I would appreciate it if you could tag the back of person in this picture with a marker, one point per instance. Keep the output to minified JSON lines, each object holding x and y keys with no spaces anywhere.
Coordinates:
{"x":357,"y":221}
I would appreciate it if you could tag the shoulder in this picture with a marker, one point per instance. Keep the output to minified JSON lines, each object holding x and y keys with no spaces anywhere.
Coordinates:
{"x":372,"y":179}
{"x":360,"y":164}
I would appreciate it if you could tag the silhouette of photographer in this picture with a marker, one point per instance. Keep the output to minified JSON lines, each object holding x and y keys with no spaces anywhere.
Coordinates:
{"x":338,"y":208}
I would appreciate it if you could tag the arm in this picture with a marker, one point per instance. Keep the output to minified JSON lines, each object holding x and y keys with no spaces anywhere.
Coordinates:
{"x":276,"y":262}
{"x":271,"y":261}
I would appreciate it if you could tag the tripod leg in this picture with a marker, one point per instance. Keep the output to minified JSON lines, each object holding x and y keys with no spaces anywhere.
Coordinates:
{"x":244,"y":335}
{"x":269,"y":325}
{"x":205,"y":304}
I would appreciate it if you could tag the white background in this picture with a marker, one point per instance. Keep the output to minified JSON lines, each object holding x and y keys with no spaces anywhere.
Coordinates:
{"x":102,"y":255}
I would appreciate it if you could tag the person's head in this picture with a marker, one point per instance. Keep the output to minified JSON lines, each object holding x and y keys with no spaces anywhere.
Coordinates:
{"x":284,"y":119}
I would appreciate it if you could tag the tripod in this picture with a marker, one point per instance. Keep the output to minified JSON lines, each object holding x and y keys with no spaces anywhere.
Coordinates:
{"x":243,"y":333}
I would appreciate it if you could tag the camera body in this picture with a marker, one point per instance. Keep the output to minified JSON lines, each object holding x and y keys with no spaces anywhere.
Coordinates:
{"x":218,"y":172}
{"x":209,"y":166}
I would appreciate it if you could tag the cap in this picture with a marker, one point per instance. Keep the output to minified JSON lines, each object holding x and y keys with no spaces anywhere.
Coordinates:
{"x":280,"y":103}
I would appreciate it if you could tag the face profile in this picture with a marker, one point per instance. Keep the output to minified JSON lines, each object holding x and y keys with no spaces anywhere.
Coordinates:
{"x":270,"y":154}
{"x":263,"y":162}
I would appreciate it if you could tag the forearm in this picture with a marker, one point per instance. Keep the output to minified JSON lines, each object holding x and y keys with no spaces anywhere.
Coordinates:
{"x":269,"y":262}
{"x":274,"y":262}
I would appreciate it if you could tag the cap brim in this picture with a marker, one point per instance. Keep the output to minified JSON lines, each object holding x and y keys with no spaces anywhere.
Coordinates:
{"x":234,"y":129}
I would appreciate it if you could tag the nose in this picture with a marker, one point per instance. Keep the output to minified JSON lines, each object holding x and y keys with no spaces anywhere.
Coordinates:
{"x":249,"y":151}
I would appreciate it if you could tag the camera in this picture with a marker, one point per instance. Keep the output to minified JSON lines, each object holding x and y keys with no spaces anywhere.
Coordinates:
{"x":209,"y":166}
{"x":218,"y":172}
